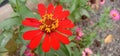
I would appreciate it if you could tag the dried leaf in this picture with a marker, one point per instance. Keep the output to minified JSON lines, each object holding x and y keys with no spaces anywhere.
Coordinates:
{"x":108,"y":39}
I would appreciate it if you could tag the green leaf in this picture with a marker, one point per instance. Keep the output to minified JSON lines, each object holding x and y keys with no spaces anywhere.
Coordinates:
{"x":6,"y":37}
{"x":72,"y":44}
{"x":87,"y":40}
{"x":66,"y":50}
{"x":98,"y":54}
{"x":77,"y":15}
{"x":107,"y":9}
{"x":39,"y":51}
{"x":35,"y":1}
{"x":60,"y":53}
{"x":23,"y":48}
{"x":71,"y":38}
{"x":69,"y":49}
{"x":23,"y":1}
{"x":26,"y":29}
{"x":73,"y":7}
{"x":84,"y":12}
{"x":22,"y":10}
{"x":1,"y":37}
{"x":90,"y":39}
{"x":76,"y":52}
{"x":1,"y":1}
{"x":62,"y":1}
{"x":50,"y":53}
{"x":9,"y":23}
{"x":20,"y":39}
{"x":14,"y":14}
{"x":12,"y":2}
{"x":2,"y":49}
{"x":25,"y":12}
{"x":104,"y":18}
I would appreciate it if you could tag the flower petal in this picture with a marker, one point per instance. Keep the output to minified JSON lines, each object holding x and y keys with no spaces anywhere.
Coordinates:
{"x":41,"y":9}
{"x":102,"y":2}
{"x":88,"y":50}
{"x":50,"y":8}
{"x":68,"y":32}
{"x":64,"y":14}
{"x":57,"y":11}
{"x":30,"y":34}
{"x":78,"y":29}
{"x":46,"y":43}
{"x":31,"y":22}
{"x":62,"y":38}
{"x":54,"y":42}
{"x":36,"y":41}
{"x":83,"y":53}
{"x":66,"y":24}
{"x":115,"y":14}
{"x":78,"y":38}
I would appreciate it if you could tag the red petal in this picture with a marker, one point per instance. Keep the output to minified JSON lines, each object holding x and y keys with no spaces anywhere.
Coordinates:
{"x":31,"y":22}
{"x":68,"y":32}
{"x":41,"y":9}
{"x":36,"y":41}
{"x":57,"y":11}
{"x":54,"y":42}
{"x":30,"y":34}
{"x":66,"y":23}
{"x":62,"y":38}
{"x":46,"y":43}
{"x":50,"y":8}
{"x":64,"y":14}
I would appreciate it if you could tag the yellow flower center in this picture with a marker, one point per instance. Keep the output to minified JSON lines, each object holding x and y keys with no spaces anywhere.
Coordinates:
{"x":49,"y":24}
{"x":114,"y":14}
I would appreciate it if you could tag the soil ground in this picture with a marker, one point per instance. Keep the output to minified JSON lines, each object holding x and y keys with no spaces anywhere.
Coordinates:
{"x":113,"y":48}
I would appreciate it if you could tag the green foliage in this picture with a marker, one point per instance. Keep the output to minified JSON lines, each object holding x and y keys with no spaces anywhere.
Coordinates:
{"x":10,"y":23}
{"x":77,"y":8}
{"x":22,"y":10}
{"x":1,"y":1}
{"x":72,"y":38}
{"x":5,"y":37}
{"x":88,"y":40}
{"x":76,"y":52}
{"x":66,"y":50}
{"x":2,"y":49}
{"x":63,"y":51}
{"x":35,"y":1}
{"x":84,"y":12}
{"x":104,"y":19}
{"x":98,"y":54}
{"x":26,"y":29}
{"x":23,"y":48}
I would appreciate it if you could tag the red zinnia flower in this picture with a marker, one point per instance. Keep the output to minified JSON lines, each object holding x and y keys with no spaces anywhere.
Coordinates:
{"x":54,"y":24}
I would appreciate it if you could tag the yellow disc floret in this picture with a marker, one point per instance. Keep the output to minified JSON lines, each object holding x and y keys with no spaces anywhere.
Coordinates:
{"x":49,"y":23}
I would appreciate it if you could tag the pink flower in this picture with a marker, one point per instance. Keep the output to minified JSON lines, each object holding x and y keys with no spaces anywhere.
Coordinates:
{"x":115,"y":14}
{"x":102,"y":2}
{"x":29,"y":52}
{"x":87,"y":52}
{"x":79,"y":33}
{"x":83,"y":53}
